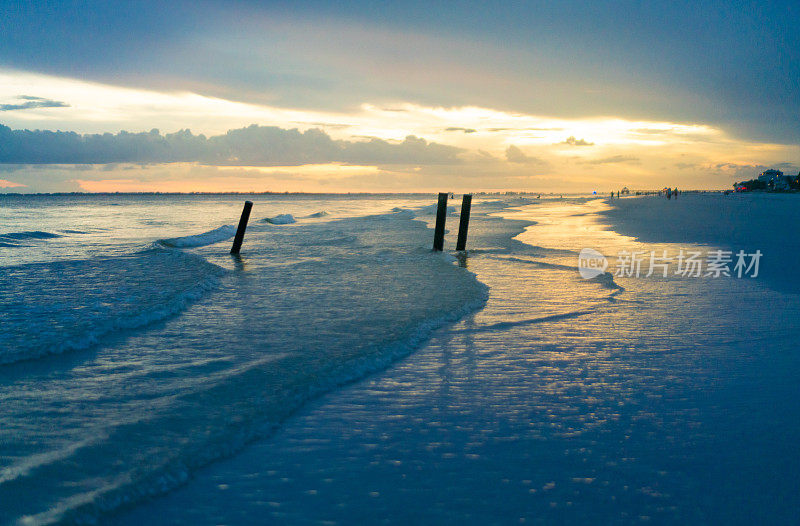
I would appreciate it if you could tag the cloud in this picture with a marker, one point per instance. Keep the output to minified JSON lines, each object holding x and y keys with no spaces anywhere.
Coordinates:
{"x":413,"y":150}
{"x":33,"y":102}
{"x":250,"y":146}
{"x":741,"y":172}
{"x":10,"y":184}
{"x":515,"y":155}
{"x":572,"y":141}
{"x":465,"y":130}
{"x":528,"y":128}
{"x":614,"y":159}
{"x":335,"y":125}
{"x":727,"y":167}
{"x":334,"y":56}
{"x":651,"y":131}
{"x":786,"y":167}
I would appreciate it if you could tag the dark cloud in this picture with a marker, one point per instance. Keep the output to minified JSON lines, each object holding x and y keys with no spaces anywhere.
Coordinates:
{"x":465,"y":130}
{"x":786,"y":167}
{"x":614,"y":159}
{"x":741,"y":172}
{"x":572,"y":141}
{"x":515,"y":155}
{"x":33,"y":102}
{"x":250,"y":146}
{"x":731,"y":64}
{"x":721,"y":167}
{"x":413,"y":150}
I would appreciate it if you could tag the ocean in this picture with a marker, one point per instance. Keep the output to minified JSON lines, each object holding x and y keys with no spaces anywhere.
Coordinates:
{"x":341,"y":372}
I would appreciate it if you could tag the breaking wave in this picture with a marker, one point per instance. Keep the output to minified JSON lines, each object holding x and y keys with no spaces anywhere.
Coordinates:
{"x":200,"y":240}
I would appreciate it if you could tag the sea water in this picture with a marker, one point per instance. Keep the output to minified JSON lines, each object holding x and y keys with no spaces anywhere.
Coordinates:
{"x":134,"y":348}
{"x":553,"y":399}
{"x":616,"y":400}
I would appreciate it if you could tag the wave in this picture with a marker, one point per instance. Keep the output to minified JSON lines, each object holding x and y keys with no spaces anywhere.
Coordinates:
{"x":69,"y":305}
{"x":506,"y":325}
{"x":20,"y":236}
{"x":200,"y":240}
{"x":604,"y":280}
{"x":172,"y":473}
{"x":367,"y":300}
{"x":321,"y":213}
{"x":403,"y":213}
{"x":281,"y":219}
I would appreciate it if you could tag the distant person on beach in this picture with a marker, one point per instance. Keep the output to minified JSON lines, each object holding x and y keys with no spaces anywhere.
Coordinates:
{"x":669,"y":193}
{"x":676,"y":193}
{"x":612,"y":194}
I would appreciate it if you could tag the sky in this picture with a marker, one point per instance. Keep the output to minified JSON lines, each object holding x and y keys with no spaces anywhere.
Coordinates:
{"x":409,"y":96}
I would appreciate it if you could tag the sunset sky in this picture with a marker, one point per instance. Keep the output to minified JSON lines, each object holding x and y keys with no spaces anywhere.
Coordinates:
{"x":404,"y":96}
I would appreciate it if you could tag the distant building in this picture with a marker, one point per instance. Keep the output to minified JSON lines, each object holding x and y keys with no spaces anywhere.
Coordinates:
{"x":768,"y":180}
{"x":770,"y":175}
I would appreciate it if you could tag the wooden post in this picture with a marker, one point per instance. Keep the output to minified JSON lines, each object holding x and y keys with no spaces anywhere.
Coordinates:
{"x":463,"y":224}
{"x":237,"y":240}
{"x":441,"y":216}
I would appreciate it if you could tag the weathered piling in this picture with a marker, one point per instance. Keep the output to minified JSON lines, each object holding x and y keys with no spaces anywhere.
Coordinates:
{"x":441,"y":216}
{"x":463,"y":224}
{"x":237,"y":240}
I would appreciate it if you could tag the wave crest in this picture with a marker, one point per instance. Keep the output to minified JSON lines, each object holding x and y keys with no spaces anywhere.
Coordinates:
{"x":200,"y":240}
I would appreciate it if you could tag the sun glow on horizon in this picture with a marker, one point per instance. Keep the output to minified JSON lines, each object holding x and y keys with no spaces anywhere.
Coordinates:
{"x":499,"y":149}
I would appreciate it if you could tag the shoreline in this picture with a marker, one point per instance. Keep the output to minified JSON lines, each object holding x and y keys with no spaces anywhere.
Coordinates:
{"x":732,"y":222}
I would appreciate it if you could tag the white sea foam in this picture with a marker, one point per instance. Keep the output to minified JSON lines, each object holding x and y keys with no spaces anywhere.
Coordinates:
{"x":280,"y":219}
{"x":199,"y":240}
{"x":55,"y":307}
